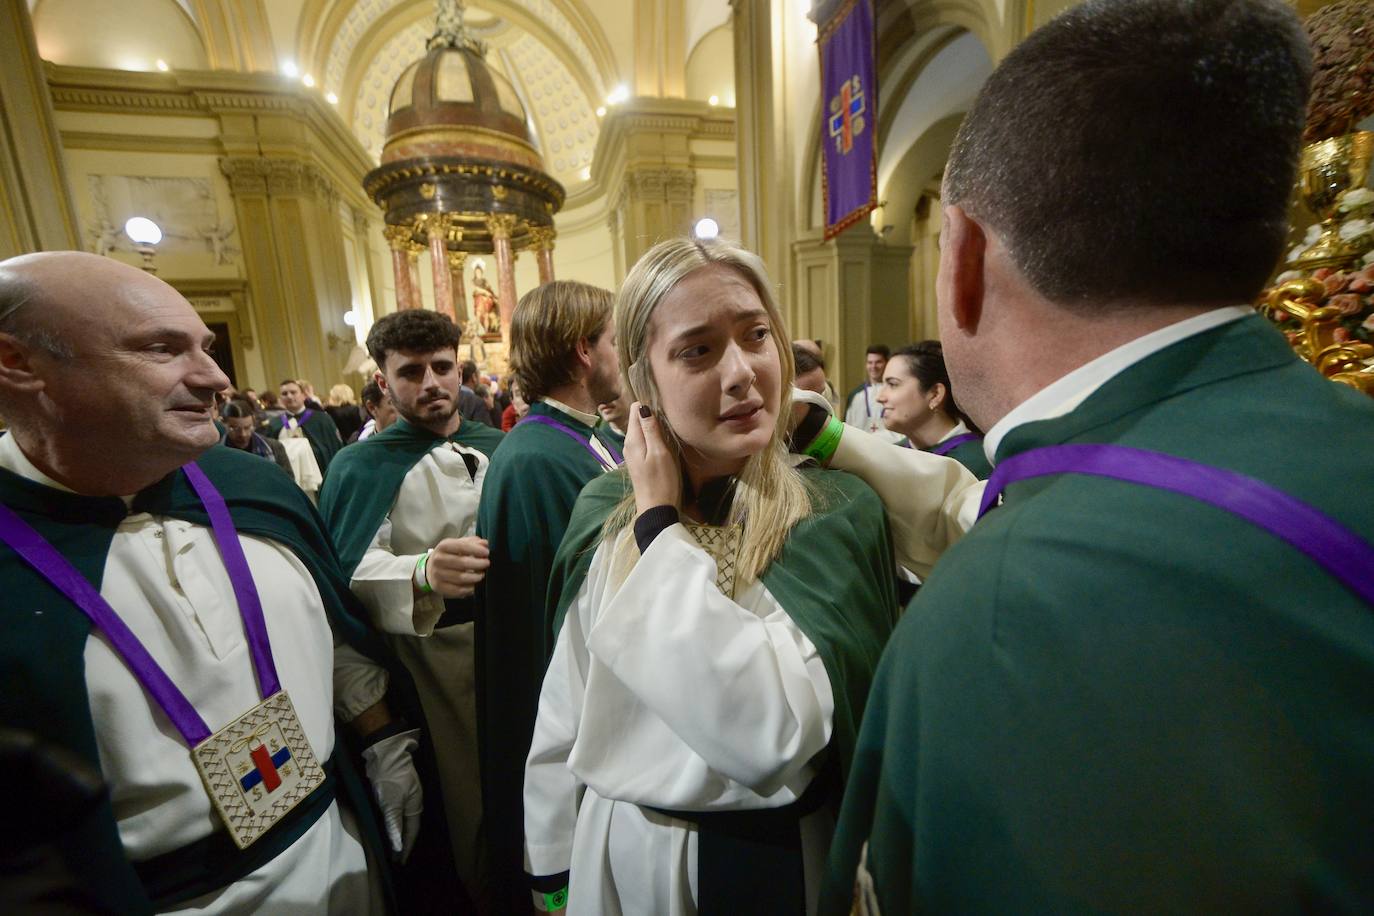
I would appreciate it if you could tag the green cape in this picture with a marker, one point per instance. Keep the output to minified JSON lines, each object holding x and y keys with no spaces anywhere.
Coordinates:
{"x":971,"y":455}
{"x":42,"y":657}
{"x":320,"y":430}
{"x":527,"y":497}
{"x":1110,"y":698}
{"x":365,"y":477}
{"x":835,"y":578}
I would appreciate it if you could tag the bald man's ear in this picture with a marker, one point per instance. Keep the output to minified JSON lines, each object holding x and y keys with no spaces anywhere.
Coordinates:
{"x":17,"y":374}
{"x":963,"y":250}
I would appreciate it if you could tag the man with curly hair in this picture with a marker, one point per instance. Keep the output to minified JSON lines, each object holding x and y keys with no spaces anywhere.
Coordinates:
{"x":402,"y":508}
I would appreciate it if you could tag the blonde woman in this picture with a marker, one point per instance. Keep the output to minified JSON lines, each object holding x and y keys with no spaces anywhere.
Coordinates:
{"x":343,"y":409}
{"x":719,"y":614}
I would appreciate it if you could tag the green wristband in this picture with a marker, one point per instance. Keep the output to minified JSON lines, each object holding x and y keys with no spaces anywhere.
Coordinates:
{"x":822,"y":448}
{"x":556,"y":901}
{"x":423,"y":575}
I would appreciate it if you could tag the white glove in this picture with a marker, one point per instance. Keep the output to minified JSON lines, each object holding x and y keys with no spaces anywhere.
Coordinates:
{"x":396,"y":786}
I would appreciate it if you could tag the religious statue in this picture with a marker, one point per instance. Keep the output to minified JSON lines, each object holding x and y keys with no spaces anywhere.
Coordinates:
{"x":484,"y":302}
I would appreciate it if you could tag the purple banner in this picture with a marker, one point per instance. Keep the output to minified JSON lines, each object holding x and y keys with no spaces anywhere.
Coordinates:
{"x":849,"y":112}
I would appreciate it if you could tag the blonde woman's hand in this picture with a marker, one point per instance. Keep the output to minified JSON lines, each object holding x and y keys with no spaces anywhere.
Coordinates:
{"x":653,"y":467}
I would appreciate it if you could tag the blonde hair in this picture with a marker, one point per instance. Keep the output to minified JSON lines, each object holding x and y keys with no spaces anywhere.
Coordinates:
{"x":547,"y":323}
{"x":770,"y":495}
{"x":340,"y":395}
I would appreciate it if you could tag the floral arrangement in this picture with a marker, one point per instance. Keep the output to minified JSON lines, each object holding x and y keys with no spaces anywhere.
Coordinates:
{"x":1342,"y":37}
{"x":1351,"y":290}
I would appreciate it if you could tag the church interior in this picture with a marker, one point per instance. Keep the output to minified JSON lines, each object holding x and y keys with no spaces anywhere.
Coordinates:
{"x":312,"y":165}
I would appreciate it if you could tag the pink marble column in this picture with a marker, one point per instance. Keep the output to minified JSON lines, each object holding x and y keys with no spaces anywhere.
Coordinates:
{"x":438,"y":260}
{"x":501,"y":226}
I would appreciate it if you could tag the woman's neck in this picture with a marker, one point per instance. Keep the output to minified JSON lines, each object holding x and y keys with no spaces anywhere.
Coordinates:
{"x":935,"y":427}
{"x":697,"y":475}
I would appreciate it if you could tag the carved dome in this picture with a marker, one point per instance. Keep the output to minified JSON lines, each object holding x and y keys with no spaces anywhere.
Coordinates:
{"x":450,"y":103}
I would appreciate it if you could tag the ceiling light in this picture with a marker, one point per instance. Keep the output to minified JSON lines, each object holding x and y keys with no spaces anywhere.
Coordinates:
{"x":162,"y":65}
{"x":290,"y":69}
{"x":331,"y":98}
{"x":350,"y":318}
{"x":586,"y":173}
{"x":706,"y":228}
{"x":308,"y":80}
{"x":601,"y":111}
{"x":713,"y":100}
{"x":143,"y":231}
{"x":618,"y":94}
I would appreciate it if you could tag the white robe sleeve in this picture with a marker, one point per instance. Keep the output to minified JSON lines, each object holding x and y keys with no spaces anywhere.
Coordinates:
{"x":931,"y":500}
{"x":359,"y":682}
{"x":552,"y":791}
{"x":748,"y":694}
{"x":384,"y":583}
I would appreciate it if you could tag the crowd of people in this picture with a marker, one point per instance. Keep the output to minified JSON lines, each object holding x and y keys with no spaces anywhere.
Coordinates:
{"x":622,"y":633}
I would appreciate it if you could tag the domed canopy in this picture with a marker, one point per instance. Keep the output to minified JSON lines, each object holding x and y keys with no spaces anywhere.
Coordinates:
{"x":458,"y":145}
{"x":451,"y":103}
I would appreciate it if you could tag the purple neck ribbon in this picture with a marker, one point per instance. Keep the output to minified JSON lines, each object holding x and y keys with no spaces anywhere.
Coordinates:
{"x":950,"y":444}
{"x":299,"y":421}
{"x":584,"y":440}
{"x":1337,"y":549}
{"x":54,"y":567}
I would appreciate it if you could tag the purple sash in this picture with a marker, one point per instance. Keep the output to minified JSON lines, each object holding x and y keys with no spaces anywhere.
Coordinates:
{"x":1341,"y":552}
{"x":287,"y":419}
{"x":54,"y":567}
{"x":949,"y":445}
{"x":585,"y":442}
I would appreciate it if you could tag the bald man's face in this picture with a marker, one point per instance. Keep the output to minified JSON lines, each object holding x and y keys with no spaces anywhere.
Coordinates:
{"x":140,"y":377}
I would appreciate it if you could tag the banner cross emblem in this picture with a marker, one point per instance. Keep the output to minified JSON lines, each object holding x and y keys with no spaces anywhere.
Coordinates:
{"x":847,"y":114}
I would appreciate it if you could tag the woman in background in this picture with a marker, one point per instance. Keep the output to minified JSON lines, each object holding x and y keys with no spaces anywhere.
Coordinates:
{"x":918,"y":402}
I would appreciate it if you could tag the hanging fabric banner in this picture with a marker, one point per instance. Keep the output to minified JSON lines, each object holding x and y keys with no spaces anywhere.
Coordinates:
{"x":849,"y":87}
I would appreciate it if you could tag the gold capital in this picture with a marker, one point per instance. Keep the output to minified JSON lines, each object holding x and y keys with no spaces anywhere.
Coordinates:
{"x":501,"y":225}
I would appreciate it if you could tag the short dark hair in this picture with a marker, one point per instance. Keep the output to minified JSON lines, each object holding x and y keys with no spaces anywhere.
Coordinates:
{"x":1140,"y":151}
{"x":289,"y":381}
{"x":236,"y":409}
{"x":926,"y":361}
{"x":372,"y":393}
{"x":881,"y":349}
{"x":469,"y":370}
{"x":806,"y":360}
{"x":412,"y":330}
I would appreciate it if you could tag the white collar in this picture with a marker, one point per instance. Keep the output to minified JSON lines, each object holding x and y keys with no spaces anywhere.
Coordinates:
{"x":1071,"y":390}
{"x":586,"y":419}
{"x":958,"y":430}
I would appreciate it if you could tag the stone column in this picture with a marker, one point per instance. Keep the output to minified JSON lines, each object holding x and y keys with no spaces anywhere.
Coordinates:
{"x":398,"y":237}
{"x":413,"y":251}
{"x":456,"y":263}
{"x":541,"y":240}
{"x":438,"y":262}
{"x":36,"y":209}
{"x":501,"y":226}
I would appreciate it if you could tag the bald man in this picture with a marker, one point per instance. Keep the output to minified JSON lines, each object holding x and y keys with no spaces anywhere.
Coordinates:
{"x":135,"y":582}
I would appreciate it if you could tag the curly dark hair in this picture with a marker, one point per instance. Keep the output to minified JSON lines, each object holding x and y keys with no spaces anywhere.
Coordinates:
{"x":412,"y":330}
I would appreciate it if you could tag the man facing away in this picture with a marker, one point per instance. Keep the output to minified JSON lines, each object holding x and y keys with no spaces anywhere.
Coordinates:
{"x":167,"y":595}
{"x":401,"y":506}
{"x":314,"y":424}
{"x":564,"y":359}
{"x":1141,"y":683}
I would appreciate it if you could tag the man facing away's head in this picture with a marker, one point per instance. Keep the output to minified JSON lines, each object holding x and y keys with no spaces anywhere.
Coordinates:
{"x":1126,"y":166}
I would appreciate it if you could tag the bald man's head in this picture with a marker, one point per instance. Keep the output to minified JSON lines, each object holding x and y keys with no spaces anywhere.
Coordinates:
{"x":94,"y":354}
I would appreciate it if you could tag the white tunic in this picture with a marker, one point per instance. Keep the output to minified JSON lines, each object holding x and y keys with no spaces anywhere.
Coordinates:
{"x":166,"y":580}
{"x":663,"y":692}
